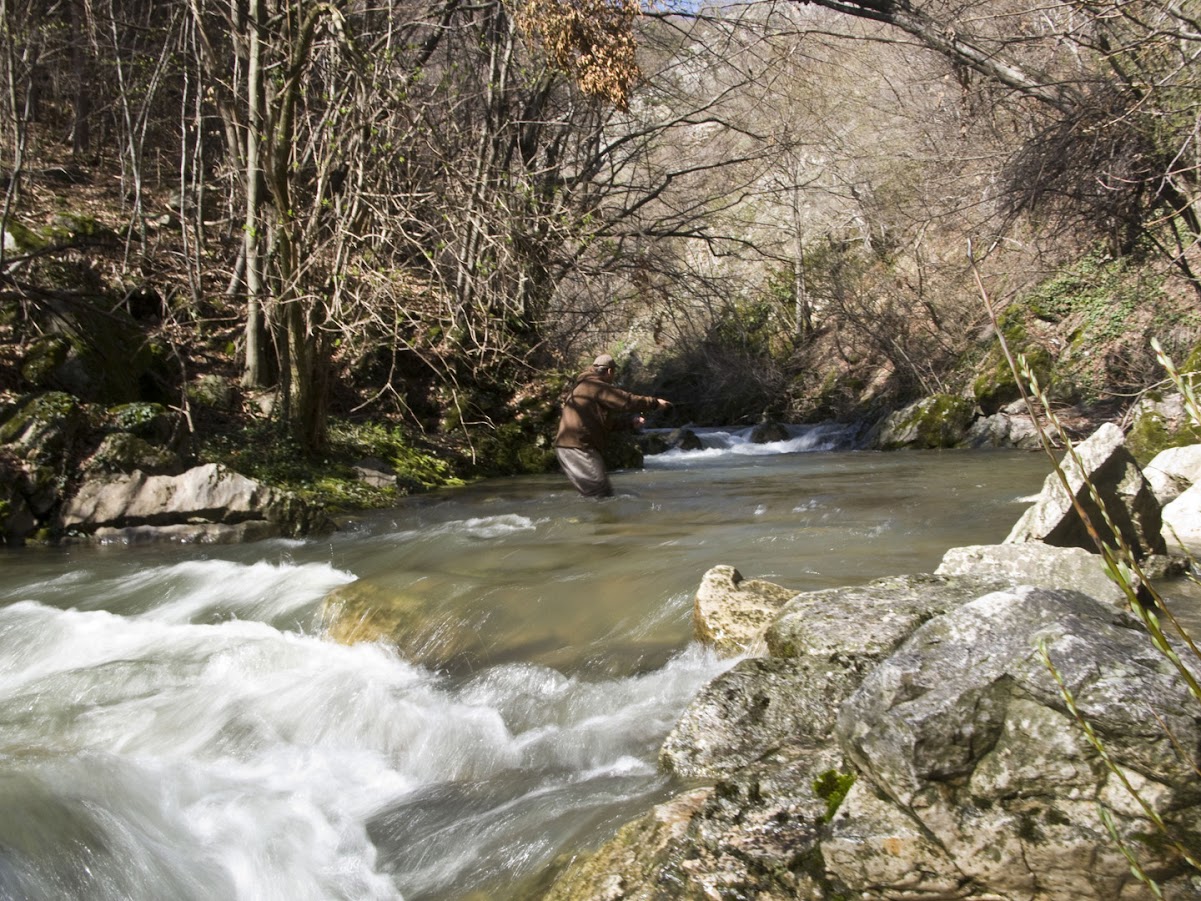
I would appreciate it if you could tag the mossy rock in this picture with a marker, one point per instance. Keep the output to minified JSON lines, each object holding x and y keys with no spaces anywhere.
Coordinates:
{"x":515,"y":448}
{"x":1153,"y":432}
{"x":43,"y":359}
{"x":76,"y":226}
{"x":935,"y":422}
{"x":44,"y":428}
{"x":99,"y":354}
{"x":213,"y":392}
{"x":622,"y":451}
{"x":22,"y":239}
{"x":997,"y":386}
{"x":122,"y":452}
{"x":151,"y":421}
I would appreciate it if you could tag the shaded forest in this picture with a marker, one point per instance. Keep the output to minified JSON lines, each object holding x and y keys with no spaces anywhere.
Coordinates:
{"x":428,"y":215}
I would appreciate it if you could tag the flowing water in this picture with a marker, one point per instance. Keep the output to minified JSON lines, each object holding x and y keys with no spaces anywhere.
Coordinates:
{"x":173,"y":724}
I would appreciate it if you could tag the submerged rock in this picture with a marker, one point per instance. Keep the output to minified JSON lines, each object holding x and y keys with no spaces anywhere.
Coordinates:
{"x":731,"y":613}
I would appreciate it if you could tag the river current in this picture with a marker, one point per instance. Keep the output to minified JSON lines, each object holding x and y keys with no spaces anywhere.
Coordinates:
{"x":175,"y":724}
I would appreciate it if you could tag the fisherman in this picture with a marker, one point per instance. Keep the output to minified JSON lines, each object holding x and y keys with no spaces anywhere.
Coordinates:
{"x":592,"y":408}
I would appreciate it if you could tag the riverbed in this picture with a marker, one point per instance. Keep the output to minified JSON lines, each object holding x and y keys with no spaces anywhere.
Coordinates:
{"x":176,"y":724}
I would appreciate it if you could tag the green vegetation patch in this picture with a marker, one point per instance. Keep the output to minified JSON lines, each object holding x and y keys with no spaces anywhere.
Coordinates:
{"x":832,"y":787}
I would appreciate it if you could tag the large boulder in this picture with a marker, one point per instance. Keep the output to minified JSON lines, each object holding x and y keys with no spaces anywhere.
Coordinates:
{"x":933,"y":757}
{"x":1011,"y":426}
{"x":40,"y":436}
{"x":94,"y":350}
{"x":973,"y":768}
{"x":1106,"y":464}
{"x":206,"y":503}
{"x":866,"y":621}
{"x":785,"y":705}
{"x":1158,"y":422}
{"x":933,"y":422}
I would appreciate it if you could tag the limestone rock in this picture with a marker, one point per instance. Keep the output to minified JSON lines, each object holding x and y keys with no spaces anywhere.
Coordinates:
{"x":1034,"y":563}
{"x":764,"y":705}
{"x":1174,"y":471}
{"x":123,"y":452}
{"x":207,"y":494}
{"x":1119,"y":482}
{"x":866,"y":621}
{"x":1182,"y":520}
{"x":1011,"y":426}
{"x":938,"y":421}
{"x":731,"y":613}
{"x":615,"y":872}
{"x":964,"y":731}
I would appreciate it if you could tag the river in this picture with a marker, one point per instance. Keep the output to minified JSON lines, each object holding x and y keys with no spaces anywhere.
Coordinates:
{"x":174,"y":724}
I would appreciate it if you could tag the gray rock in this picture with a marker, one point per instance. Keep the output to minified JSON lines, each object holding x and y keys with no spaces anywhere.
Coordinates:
{"x":1182,"y":520}
{"x":1114,"y":474}
{"x":1174,"y":471}
{"x":866,"y":621}
{"x":933,"y":422}
{"x":764,"y":706}
{"x":769,"y":432}
{"x":207,"y":494}
{"x":1003,"y":429}
{"x":123,"y":452}
{"x":963,"y":730}
{"x":971,"y":780}
{"x":1033,"y":563}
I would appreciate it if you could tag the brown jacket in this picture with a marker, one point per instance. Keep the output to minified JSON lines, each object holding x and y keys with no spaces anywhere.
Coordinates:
{"x":591,"y":409}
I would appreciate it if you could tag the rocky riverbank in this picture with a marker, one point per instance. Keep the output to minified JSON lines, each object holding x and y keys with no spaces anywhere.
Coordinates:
{"x":920,"y":737}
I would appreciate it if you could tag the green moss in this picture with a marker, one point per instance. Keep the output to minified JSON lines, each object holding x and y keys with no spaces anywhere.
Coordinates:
{"x":1151,"y":434}
{"x":42,"y":360}
{"x":25,"y":239}
{"x":136,"y":417}
{"x":1030,"y":830}
{"x":329,"y":480}
{"x":936,"y":422}
{"x":997,"y":385}
{"x":832,"y":787}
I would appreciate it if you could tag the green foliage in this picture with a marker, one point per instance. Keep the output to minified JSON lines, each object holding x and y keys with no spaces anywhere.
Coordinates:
{"x":131,"y":417}
{"x":513,"y":448}
{"x":267,"y":452}
{"x":1096,"y":297}
{"x":832,"y":787}
{"x":750,"y":326}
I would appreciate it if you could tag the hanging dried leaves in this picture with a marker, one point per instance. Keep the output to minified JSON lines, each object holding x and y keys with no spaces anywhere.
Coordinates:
{"x":590,"y":40}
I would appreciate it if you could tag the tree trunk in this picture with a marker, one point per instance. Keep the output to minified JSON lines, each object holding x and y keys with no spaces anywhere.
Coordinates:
{"x":255,"y":372}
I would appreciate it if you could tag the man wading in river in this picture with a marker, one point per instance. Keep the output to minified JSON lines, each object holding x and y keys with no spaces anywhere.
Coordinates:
{"x":592,"y":408}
